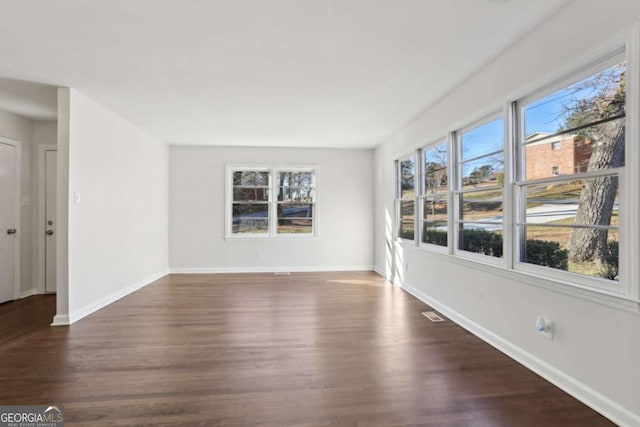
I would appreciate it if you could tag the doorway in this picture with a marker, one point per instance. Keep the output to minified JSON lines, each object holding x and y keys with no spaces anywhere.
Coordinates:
{"x":9,"y":219}
{"x":47,"y":220}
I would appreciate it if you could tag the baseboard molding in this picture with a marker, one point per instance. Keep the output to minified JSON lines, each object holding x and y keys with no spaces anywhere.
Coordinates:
{"x":382,"y":272}
{"x":109,"y":299}
{"x":590,"y":397}
{"x":60,"y":320}
{"x":231,"y":270}
{"x":28,"y":293}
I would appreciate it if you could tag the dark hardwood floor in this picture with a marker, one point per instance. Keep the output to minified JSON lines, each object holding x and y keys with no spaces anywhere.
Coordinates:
{"x":322,"y":349}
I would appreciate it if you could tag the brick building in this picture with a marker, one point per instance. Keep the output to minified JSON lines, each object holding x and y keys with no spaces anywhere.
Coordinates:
{"x":557,"y":155}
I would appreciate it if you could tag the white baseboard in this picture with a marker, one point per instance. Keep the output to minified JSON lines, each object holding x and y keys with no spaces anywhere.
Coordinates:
{"x":381,"y":271}
{"x":590,"y":397}
{"x":230,"y":270}
{"x":109,"y":299}
{"x":28,"y":293}
{"x":60,"y":320}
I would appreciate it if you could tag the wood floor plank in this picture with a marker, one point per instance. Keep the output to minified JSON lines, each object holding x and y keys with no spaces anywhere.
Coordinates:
{"x":310,"y":349}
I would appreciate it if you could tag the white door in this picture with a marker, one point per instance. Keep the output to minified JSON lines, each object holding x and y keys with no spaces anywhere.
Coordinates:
{"x":8,"y":233}
{"x":51,"y":172}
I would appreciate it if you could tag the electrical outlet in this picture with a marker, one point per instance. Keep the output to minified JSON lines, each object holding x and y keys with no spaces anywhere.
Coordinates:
{"x":260,"y":255}
{"x":544,"y":327}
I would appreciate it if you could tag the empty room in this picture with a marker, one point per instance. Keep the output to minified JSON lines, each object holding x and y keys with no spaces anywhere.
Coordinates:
{"x":375,"y":213}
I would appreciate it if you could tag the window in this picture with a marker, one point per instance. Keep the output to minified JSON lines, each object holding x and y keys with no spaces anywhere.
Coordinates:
{"x":570,"y":222}
{"x":434,"y":195}
{"x":478,"y":190}
{"x":255,"y":212}
{"x":548,"y":189}
{"x":405,"y":199}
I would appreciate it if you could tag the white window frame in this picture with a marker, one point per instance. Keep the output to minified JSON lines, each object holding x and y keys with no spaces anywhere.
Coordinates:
{"x":273,"y":202}
{"x":421,"y":192}
{"x":457,"y":190}
{"x":627,"y":296}
{"x":574,"y":279}
{"x":398,"y":198}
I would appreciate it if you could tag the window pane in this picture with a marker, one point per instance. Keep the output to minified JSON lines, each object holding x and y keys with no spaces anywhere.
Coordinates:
{"x":480,"y":239}
{"x":407,"y":215}
{"x":250,"y":226}
{"x":295,"y":226}
{"x":246,"y":194}
{"x":592,"y":201}
{"x":435,"y":209}
{"x":291,"y":210}
{"x":482,"y":140}
{"x":435,"y":169}
{"x":250,"y":218}
{"x":482,"y":206}
{"x":593,"y":148}
{"x":434,"y":232}
{"x":255,"y":210}
{"x":484,"y":171}
{"x":251,"y":178}
{"x":295,"y":194}
{"x":586,"y":251}
{"x":597,"y":97}
{"x":407,"y":179}
{"x":296,"y":179}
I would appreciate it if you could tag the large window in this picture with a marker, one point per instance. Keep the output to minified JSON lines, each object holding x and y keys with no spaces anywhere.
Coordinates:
{"x":406,"y":198}
{"x":479,"y":188}
{"x":434,"y":195}
{"x":569,"y":198}
{"x":547,"y":188}
{"x":270,"y":202}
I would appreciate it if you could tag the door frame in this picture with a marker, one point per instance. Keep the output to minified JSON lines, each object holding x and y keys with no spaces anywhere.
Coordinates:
{"x":18,"y":214}
{"x":40,"y":228}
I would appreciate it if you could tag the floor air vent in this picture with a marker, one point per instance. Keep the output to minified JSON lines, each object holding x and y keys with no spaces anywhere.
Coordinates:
{"x":432,"y":316}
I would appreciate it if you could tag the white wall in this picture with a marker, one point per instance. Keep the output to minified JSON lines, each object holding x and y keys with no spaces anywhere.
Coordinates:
{"x":595,"y":353}
{"x":197,"y":212}
{"x":118,"y":232}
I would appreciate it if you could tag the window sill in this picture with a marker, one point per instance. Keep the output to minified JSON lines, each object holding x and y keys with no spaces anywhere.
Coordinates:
{"x":290,"y":237}
{"x":599,"y":296}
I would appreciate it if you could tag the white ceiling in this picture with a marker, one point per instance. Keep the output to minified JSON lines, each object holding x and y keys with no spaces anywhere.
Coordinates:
{"x":321,"y":73}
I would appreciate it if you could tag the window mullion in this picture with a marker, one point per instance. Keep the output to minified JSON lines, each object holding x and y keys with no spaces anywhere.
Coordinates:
{"x":630,"y":177}
{"x":417,"y":190}
{"x":508,"y":205}
{"x":454,"y":179}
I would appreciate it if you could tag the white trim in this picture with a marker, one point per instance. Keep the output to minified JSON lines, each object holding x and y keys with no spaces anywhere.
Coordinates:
{"x":382,"y":272}
{"x":40,"y":226}
{"x":630,"y":191}
{"x":107,"y":300}
{"x":272,"y":203}
{"x":29,"y":293}
{"x":229,"y":270}
{"x":592,"y":398}
{"x":60,"y":320}
{"x":17,"y":214}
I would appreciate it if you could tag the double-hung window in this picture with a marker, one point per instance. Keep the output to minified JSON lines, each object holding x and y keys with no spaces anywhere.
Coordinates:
{"x":434,"y":195}
{"x":478,"y":192}
{"x":271,"y":202}
{"x":569,"y":199}
{"x":406,"y":197}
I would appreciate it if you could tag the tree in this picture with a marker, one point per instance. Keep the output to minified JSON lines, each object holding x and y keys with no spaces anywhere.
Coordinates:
{"x":607,"y":137}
